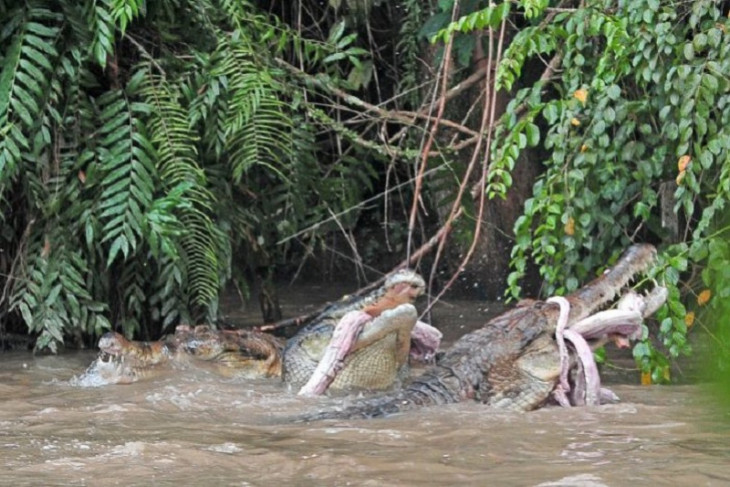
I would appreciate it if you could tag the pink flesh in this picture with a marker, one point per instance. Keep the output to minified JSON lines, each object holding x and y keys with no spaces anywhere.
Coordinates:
{"x":621,"y":341}
{"x":563,"y":387}
{"x":619,"y":325}
{"x":585,"y":355}
{"x":561,"y":397}
{"x":343,"y":339}
{"x":425,"y":342}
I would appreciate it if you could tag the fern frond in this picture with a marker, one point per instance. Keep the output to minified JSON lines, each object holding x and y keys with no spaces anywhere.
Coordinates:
{"x":238,"y":12}
{"x":134,"y":278}
{"x":99,"y":17}
{"x":128,"y":161}
{"x":203,"y":243}
{"x":172,"y":135}
{"x":168,"y":303}
{"x":202,"y":248}
{"x":409,"y":50}
{"x":26,"y":75}
{"x":123,"y":11}
{"x":208,"y":108}
{"x":258,"y":123}
{"x":264,"y":141}
{"x":52,"y":295}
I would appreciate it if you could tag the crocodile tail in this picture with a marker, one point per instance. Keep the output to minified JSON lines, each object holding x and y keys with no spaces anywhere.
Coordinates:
{"x":427,"y":390}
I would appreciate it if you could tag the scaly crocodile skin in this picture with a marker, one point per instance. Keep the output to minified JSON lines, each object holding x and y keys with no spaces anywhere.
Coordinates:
{"x":239,"y":353}
{"x":379,"y":354}
{"x":513,"y":361}
{"x":382,"y":348}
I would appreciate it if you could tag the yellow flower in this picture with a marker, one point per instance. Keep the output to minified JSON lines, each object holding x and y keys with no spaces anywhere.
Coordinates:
{"x":575,"y":122}
{"x":584,"y":148}
{"x":704,"y":297}
{"x":646,"y":378}
{"x":581,"y":95}
{"x":689,"y":319}
{"x":683,"y":163}
{"x":569,"y":226}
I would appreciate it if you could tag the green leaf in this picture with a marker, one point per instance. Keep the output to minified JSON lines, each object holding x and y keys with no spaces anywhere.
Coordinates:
{"x":533,"y":134}
{"x":641,"y":349}
{"x":613,"y":92}
{"x":336,"y":32}
{"x":119,"y":244}
{"x":337,"y":56}
{"x":689,"y":52}
{"x":609,"y":115}
{"x":10,"y":64}
{"x":599,"y":127}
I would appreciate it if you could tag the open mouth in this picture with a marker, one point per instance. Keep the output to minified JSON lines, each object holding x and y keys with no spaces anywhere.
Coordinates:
{"x":620,"y":325}
{"x":110,"y":359}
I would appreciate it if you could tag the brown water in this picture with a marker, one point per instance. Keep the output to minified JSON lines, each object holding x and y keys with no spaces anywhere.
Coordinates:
{"x":191,"y":427}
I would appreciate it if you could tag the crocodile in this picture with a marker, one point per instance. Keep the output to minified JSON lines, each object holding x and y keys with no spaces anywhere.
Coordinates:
{"x":239,"y":353}
{"x":382,"y":325}
{"x":514,"y":361}
{"x":384,"y":346}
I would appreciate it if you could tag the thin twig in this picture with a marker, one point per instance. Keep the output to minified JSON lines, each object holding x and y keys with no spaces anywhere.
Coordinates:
{"x":350,"y":241}
{"x":490,"y":106}
{"x":352,"y":208}
{"x":145,"y":54}
{"x":405,"y":117}
{"x":432,"y":135}
{"x":409,"y":262}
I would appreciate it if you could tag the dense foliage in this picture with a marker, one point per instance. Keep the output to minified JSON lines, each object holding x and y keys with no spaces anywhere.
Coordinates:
{"x":150,"y":151}
{"x":631,"y":107}
{"x":635,"y":122}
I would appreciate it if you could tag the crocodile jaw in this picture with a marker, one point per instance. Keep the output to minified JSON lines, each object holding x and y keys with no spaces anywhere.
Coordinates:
{"x":364,"y":351}
{"x":637,"y":259}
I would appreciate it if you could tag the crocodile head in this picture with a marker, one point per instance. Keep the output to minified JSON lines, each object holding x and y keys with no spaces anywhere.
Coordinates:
{"x":121,"y":361}
{"x":603,"y":290}
{"x":545,"y":361}
{"x":233,"y":353}
{"x":378,"y":330}
{"x":369,"y":357}
{"x":401,"y":287}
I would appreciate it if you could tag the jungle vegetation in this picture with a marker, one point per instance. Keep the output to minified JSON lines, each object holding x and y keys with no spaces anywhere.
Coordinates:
{"x":153,"y":153}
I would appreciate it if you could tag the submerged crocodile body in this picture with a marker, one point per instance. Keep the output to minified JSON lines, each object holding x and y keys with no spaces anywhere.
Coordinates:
{"x":376,"y":357}
{"x":513,"y":361}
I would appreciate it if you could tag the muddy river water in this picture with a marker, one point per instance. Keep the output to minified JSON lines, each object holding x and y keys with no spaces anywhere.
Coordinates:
{"x":192,"y":427}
